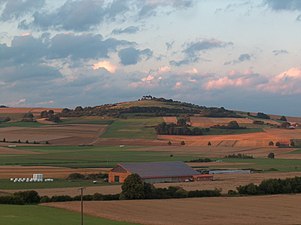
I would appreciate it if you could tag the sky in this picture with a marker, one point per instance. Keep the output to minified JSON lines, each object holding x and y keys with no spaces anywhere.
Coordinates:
{"x":239,"y":54}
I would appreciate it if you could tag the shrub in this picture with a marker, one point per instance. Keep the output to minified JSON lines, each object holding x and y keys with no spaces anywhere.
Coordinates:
{"x":182,"y":142}
{"x":169,"y":143}
{"x":239,"y":156}
{"x":76,"y":176}
{"x":271,"y":143}
{"x":28,"y":197}
{"x":61,"y":198}
{"x":209,"y":143}
{"x":271,"y":155}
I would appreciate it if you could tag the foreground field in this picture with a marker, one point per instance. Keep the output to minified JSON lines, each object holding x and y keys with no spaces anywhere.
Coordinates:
{"x":281,"y":209}
{"x":40,"y":215}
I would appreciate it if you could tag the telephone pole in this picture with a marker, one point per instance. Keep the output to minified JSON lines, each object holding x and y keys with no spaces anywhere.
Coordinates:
{"x":82,"y":205}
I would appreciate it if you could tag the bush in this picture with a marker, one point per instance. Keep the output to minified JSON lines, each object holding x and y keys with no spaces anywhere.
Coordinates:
{"x":239,"y":156}
{"x":182,"y":142}
{"x":28,"y":197}
{"x":271,"y":143}
{"x":201,"y":160}
{"x":10,"y":199}
{"x":61,"y":198}
{"x":271,"y":155}
{"x":75,"y":176}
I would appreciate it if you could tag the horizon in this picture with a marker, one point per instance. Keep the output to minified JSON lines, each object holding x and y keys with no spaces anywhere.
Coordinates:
{"x":241,"y":55}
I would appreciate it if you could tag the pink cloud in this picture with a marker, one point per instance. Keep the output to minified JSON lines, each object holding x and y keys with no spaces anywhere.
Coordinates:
{"x":224,"y":82}
{"x":285,"y":83}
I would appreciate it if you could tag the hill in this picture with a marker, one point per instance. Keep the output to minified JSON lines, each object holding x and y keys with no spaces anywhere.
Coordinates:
{"x":149,"y":106}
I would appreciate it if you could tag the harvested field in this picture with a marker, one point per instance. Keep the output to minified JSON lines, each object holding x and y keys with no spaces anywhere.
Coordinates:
{"x":209,"y":121}
{"x":170,"y":119}
{"x":56,"y":134}
{"x":258,"y":139}
{"x":48,"y":171}
{"x":133,"y":142}
{"x":280,"y":209}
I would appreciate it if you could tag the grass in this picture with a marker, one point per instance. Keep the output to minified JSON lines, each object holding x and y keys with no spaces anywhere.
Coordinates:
{"x":6,"y":184}
{"x":298,"y":151}
{"x":88,"y":156}
{"x":140,"y":128}
{"x":86,"y":120}
{"x":280,"y":165}
{"x":21,"y":124}
{"x":43,"y":215}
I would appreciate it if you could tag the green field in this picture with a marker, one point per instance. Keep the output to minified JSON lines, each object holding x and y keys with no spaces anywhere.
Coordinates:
{"x":6,"y":184}
{"x":21,"y":124}
{"x":282,"y":165}
{"x":218,"y":131}
{"x":86,"y":120}
{"x":141,"y":128}
{"x":87,"y":156}
{"x":42,"y":215}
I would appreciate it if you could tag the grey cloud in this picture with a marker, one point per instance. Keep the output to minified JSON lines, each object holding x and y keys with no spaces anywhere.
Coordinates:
{"x":14,"y":9}
{"x":193,"y":50}
{"x":280,"y":52}
{"x":169,"y":45}
{"x":242,"y":58}
{"x":284,"y":4}
{"x":131,"y":55}
{"x":127,"y":30}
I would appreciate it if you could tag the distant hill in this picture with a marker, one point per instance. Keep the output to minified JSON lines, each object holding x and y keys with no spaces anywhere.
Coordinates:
{"x":149,"y":106}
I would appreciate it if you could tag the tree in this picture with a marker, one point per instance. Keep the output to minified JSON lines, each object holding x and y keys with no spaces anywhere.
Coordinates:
{"x":133,"y":188}
{"x":271,"y":143}
{"x":209,"y":143}
{"x":28,"y":197}
{"x":182,"y":142}
{"x":292,"y":144}
{"x":233,"y":125}
{"x":169,"y":143}
{"x":271,"y":155}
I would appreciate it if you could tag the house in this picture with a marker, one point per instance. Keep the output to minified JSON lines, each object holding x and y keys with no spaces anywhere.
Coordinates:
{"x":157,"y":172}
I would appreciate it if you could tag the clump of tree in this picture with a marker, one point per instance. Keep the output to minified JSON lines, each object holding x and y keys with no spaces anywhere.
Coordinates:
{"x":230,"y":125}
{"x":50,"y":116}
{"x":201,"y":160}
{"x":174,"y":129}
{"x":28,"y":117}
{"x":21,"y":198}
{"x":262,"y":115}
{"x":239,"y":156}
{"x":285,"y":125}
{"x":272,"y":186}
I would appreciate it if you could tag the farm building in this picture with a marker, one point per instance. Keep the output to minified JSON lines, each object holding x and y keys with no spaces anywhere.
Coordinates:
{"x":157,"y":172}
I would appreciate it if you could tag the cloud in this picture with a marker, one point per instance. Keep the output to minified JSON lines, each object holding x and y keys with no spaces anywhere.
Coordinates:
{"x":242,"y":58}
{"x":280,"y":52}
{"x":131,"y":55}
{"x":285,"y":83}
{"x":18,"y":8}
{"x":127,"y":30}
{"x":192,"y":50}
{"x":105,"y":65}
{"x":290,"y":5}
{"x":235,"y":79}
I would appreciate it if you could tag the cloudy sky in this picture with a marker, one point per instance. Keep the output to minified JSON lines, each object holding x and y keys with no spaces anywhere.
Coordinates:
{"x":240,"y":54}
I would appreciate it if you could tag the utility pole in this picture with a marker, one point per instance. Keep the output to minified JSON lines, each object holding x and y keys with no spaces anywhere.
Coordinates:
{"x":82,"y":205}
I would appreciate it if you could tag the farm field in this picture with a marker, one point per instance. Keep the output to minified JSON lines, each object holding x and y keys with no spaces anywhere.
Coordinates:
{"x":216,"y":211}
{"x":86,"y":156}
{"x":209,"y":121}
{"x":138,"y":128}
{"x":38,"y":215}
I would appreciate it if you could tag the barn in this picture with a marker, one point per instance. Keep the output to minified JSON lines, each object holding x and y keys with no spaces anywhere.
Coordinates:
{"x":157,"y":172}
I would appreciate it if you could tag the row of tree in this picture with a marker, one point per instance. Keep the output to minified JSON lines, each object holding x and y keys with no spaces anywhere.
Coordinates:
{"x":174,"y":129}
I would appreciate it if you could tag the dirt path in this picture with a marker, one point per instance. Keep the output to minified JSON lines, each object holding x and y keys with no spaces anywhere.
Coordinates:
{"x":277,"y":209}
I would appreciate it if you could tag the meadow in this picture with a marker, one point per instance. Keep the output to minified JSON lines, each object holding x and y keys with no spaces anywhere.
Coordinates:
{"x":136,"y":128}
{"x":42,"y":215}
{"x":86,"y":156}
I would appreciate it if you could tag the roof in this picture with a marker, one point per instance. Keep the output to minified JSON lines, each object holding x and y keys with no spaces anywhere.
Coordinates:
{"x":159,"y":169}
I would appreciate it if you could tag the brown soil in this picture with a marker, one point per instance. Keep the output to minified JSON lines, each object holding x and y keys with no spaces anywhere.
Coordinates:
{"x":209,"y":121}
{"x":280,"y":209}
{"x":170,"y":119}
